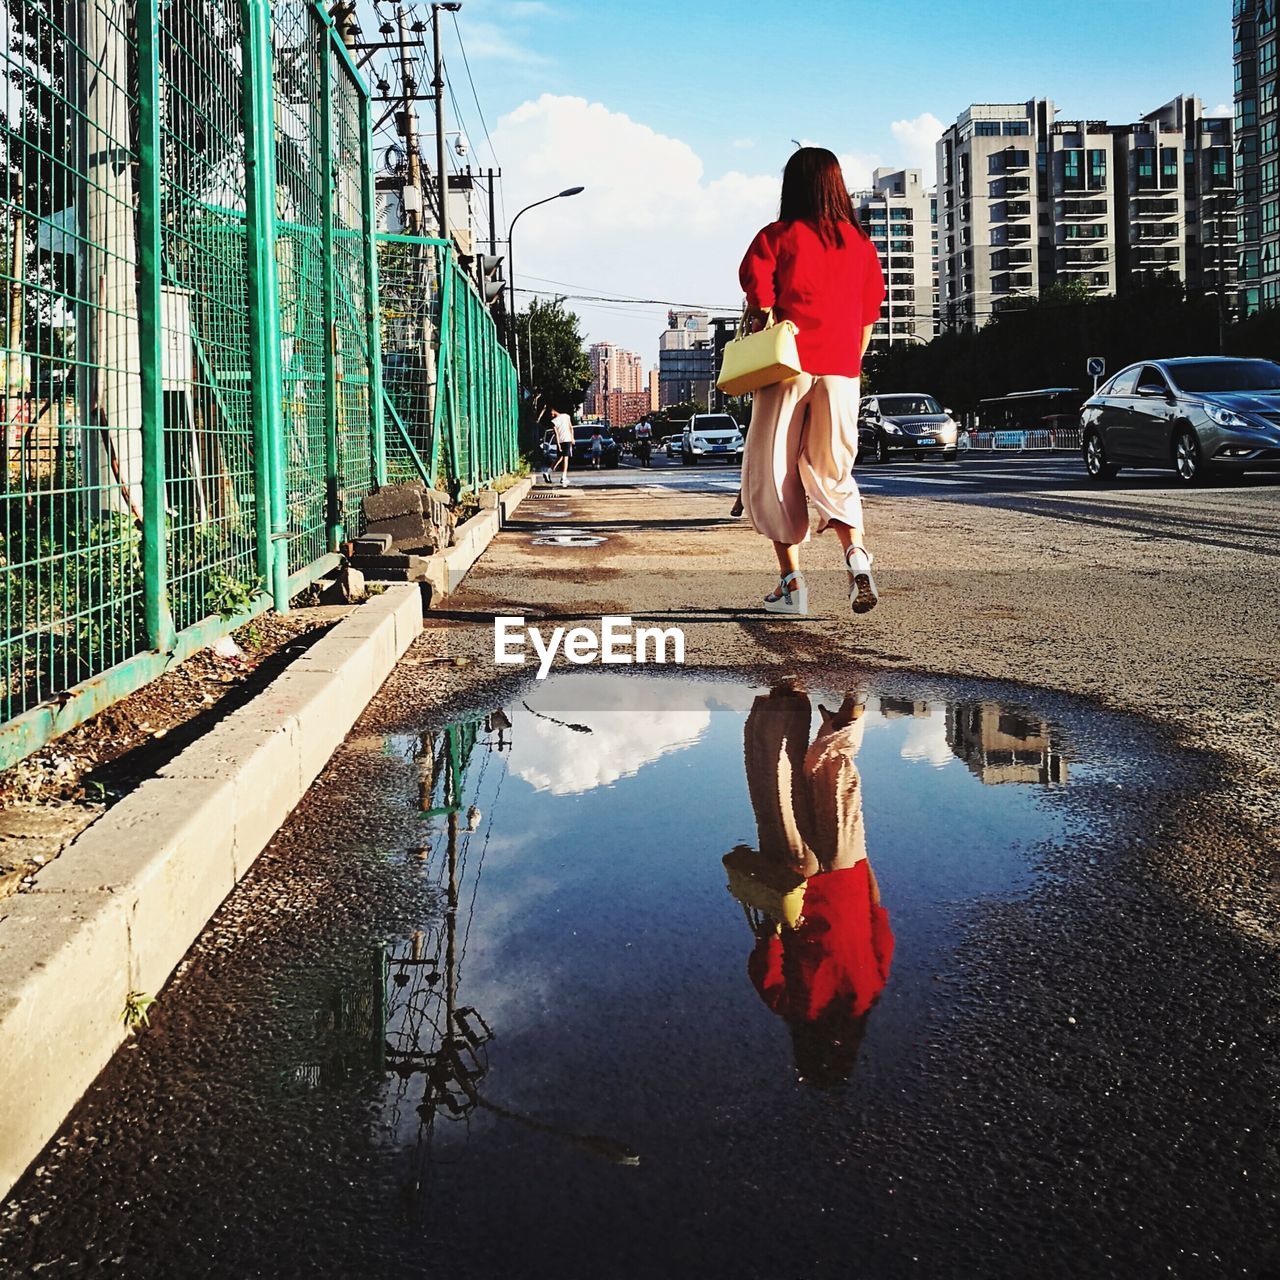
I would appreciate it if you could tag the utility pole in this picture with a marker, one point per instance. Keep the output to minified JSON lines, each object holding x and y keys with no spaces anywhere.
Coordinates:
{"x":437,"y":84}
{"x":493,"y":217}
{"x":411,"y":196}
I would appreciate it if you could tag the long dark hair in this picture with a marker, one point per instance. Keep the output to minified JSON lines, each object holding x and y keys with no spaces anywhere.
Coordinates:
{"x":813,"y":190}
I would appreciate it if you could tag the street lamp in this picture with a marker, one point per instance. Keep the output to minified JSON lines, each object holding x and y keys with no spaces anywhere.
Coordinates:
{"x":511,"y":272}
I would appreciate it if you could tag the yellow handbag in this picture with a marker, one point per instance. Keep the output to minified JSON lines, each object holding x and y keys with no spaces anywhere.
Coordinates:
{"x":755,"y":360}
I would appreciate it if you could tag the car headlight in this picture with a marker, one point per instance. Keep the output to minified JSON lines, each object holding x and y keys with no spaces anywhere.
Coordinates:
{"x":893,"y":429}
{"x":1226,"y":417}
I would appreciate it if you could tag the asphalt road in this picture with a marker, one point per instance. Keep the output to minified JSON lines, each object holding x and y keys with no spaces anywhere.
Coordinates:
{"x":1099,"y":1056}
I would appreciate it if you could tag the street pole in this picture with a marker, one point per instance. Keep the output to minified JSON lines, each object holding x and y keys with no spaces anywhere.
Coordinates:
{"x":1222,"y":296}
{"x":514,"y":343}
{"x":412,"y":208}
{"x":437,"y":84}
{"x":493,"y":217}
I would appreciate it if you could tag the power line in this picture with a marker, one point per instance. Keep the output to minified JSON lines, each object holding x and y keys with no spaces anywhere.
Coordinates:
{"x":644,"y":302}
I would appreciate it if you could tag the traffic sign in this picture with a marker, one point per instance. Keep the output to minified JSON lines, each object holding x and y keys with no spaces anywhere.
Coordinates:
{"x":1095,"y":366}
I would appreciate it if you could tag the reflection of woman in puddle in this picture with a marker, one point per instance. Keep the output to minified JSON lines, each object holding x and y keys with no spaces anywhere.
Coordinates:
{"x":823,"y":942}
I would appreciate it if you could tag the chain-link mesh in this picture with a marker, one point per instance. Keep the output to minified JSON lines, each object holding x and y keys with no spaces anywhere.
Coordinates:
{"x":161,"y":272}
{"x":70,"y":584}
{"x":451,"y":404}
{"x":204,"y":312}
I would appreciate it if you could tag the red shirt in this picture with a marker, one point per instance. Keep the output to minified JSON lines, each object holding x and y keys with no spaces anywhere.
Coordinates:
{"x":836,"y":960}
{"x":830,"y":292}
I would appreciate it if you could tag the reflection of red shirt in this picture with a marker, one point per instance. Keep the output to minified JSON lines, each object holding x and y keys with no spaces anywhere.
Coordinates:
{"x":836,"y":961}
{"x":830,"y":291}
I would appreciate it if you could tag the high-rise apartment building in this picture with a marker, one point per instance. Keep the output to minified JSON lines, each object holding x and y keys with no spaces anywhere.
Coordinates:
{"x":900,"y":216}
{"x":686,"y":360}
{"x":1257,"y":125}
{"x":612,"y":369}
{"x":1026,"y":200}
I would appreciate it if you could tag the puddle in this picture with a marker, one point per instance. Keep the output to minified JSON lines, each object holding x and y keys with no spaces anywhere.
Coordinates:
{"x":649,"y":977}
{"x":568,"y":537}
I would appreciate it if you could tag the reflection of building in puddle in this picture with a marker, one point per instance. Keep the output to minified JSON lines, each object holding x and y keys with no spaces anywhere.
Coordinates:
{"x":900,"y":708}
{"x":1000,"y":745}
{"x":823,"y":942}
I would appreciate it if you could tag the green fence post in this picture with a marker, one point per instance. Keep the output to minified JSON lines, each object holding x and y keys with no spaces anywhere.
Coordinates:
{"x":329,"y":289}
{"x":155,"y":593}
{"x":373,"y":304}
{"x":264,"y":297}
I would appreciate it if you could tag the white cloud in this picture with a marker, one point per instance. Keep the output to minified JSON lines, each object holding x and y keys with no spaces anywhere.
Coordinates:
{"x":627,"y":729}
{"x":651,"y":222}
{"x":1222,"y":109}
{"x":916,"y":141}
{"x":743,"y":144}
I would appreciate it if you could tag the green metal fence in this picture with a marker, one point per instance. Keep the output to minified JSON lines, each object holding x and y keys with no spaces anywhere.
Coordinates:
{"x":451,"y":402}
{"x":191,"y":380}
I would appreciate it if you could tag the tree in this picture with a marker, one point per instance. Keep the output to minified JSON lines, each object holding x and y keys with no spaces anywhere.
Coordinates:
{"x":553,"y":364}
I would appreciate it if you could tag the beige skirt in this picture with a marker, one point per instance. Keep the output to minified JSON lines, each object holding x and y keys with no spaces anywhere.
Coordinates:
{"x":802,"y":445}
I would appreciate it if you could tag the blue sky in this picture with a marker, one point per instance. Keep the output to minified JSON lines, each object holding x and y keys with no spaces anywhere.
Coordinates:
{"x":678,"y":118}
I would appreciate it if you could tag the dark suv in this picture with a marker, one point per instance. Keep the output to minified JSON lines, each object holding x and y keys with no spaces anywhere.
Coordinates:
{"x":1195,"y":415}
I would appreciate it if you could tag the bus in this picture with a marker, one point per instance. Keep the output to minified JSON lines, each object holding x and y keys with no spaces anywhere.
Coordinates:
{"x":1044,"y":410}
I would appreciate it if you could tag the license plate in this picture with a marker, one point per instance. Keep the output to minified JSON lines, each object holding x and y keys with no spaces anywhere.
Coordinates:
{"x":926,"y":440}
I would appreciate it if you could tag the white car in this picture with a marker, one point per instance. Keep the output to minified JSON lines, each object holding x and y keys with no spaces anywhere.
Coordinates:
{"x":672,"y":446}
{"x":711,"y":435}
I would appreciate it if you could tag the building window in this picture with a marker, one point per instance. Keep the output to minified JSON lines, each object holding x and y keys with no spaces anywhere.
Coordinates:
{"x":1270,"y":220}
{"x":1249,"y":148}
{"x":987,"y":128}
{"x":1268,"y":141}
{"x":1073,"y":170}
{"x":1097,"y":170}
{"x":900,"y":215}
{"x":1144,"y":163}
{"x":1249,"y":264}
{"x":1017,"y":128}
{"x":1267,"y":99}
{"x":1246,"y":112}
{"x":1249,"y":224}
{"x":1270,"y":293}
{"x":1266,"y":59}
{"x":1168,"y":166}
{"x":1269,"y":177}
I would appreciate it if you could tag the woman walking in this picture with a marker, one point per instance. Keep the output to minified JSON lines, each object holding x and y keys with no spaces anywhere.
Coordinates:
{"x":816,"y":267}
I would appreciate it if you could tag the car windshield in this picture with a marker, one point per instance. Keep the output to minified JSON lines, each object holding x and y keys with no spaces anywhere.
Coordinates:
{"x":1226,"y":375}
{"x":892,"y":406}
{"x":714,"y":422}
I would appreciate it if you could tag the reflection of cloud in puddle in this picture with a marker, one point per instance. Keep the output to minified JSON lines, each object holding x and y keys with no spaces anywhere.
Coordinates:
{"x":926,"y":738}
{"x":632,"y":722}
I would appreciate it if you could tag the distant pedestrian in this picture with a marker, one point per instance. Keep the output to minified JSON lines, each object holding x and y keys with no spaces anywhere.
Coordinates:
{"x":644,"y":441}
{"x":562,"y":425}
{"x":816,"y":267}
{"x":597,"y":448}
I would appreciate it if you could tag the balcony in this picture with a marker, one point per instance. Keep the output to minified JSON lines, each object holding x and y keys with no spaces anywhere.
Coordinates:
{"x":1149,"y":253}
{"x":1016,"y":209}
{"x":1157,"y":231}
{"x":1014,"y":159}
{"x":1082,"y":209}
{"x":1004,"y":258}
{"x":1015,"y":235}
{"x":1082,"y":255}
{"x":1013,"y":187}
{"x":1148,"y":208}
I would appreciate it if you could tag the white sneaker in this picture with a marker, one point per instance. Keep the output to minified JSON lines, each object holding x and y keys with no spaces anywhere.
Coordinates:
{"x":790,"y":596}
{"x":564,"y":482}
{"x":863,"y":596}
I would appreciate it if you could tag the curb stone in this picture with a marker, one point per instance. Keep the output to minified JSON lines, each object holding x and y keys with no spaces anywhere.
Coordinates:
{"x":127,"y":898}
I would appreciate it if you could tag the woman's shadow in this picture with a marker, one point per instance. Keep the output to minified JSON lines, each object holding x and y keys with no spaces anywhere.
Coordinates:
{"x":823,"y":942}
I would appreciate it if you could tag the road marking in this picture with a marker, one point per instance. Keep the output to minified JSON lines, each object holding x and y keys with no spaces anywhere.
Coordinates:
{"x":930,"y":480}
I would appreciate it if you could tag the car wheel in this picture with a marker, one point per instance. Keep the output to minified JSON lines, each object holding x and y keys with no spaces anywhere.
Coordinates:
{"x":1095,"y":459}
{"x":612,"y":465}
{"x":685,"y":459}
{"x":882,"y":448}
{"x":1188,"y":462}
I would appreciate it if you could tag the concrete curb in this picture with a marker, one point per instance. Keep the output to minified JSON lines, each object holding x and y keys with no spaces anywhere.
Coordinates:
{"x":444,"y":572}
{"x":119,"y":909}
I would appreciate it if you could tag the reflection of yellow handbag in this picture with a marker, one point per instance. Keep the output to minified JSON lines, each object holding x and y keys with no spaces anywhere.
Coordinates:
{"x":755,"y":360}
{"x":760,"y":884}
